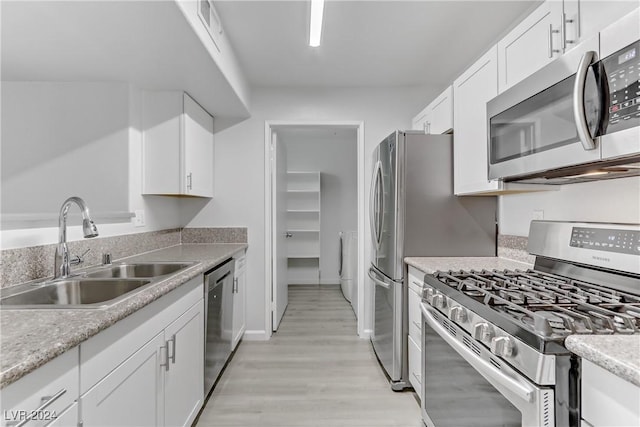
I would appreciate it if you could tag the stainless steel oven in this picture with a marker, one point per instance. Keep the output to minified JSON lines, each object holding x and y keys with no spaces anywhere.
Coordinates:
{"x":464,"y":384}
{"x":579,"y":110}
{"x":493,"y":349}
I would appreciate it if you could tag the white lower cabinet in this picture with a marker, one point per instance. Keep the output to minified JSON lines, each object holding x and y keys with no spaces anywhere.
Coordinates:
{"x":147,"y":369}
{"x":44,"y":395}
{"x":184,"y":370}
{"x":239,"y":300}
{"x":607,"y":400}
{"x":131,"y":395}
{"x":414,"y":338}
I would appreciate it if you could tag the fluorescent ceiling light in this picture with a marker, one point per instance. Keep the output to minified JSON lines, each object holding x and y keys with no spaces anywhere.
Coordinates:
{"x":315,"y":23}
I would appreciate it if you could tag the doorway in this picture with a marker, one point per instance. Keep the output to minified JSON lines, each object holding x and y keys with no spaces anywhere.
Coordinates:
{"x":314,"y":179}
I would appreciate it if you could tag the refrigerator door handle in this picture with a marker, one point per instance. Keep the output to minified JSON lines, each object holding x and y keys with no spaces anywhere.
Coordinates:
{"x":372,"y":276}
{"x":380,"y":192}
{"x":373,"y":204}
{"x":340,"y":256}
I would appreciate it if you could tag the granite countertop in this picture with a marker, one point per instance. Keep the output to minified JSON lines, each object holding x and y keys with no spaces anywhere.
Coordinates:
{"x":618,"y":354}
{"x":30,"y":338}
{"x":432,"y":264}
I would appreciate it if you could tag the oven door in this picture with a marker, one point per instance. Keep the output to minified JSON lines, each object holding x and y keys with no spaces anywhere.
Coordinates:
{"x":463,"y":384}
{"x":532,"y":126}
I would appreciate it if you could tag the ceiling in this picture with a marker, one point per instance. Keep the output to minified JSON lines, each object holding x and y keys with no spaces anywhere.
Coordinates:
{"x":365,"y":43}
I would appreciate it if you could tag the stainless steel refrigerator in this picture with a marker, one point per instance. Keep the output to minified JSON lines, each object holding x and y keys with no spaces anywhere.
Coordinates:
{"x":413,"y":212}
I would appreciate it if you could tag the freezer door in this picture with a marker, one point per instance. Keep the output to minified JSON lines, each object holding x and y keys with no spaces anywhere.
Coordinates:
{"x":387,"y":329}
{"x":384,"y":206}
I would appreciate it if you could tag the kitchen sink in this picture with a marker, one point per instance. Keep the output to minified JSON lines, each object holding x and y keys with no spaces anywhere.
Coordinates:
{"x":72,"y":293}
{"x":138,"y":270}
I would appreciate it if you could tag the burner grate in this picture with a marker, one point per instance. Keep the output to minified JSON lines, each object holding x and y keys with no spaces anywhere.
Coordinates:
{"x":551,"y":305}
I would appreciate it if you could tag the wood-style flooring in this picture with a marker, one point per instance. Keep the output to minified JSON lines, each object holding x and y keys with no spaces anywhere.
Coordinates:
{"x":314,"y":371}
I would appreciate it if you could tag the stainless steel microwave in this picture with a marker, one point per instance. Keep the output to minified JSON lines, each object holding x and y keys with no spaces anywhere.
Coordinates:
{"x":575,"y":120}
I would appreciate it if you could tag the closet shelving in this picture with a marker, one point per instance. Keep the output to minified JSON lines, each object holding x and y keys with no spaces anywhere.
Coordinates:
{"x":303,"y":227}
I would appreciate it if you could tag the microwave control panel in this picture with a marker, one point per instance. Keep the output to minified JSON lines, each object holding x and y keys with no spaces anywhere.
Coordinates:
{"x":623,"y":72}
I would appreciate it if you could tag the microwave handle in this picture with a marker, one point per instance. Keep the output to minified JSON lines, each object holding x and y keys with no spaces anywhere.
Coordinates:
{"x":588,"y":142}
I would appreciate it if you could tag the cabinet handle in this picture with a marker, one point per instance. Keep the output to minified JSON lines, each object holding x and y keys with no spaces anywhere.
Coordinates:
{"x":416,"y":324}
{"x":551,"y":33}
{"x":166,"y":356}
{"x":173,"y":353}
{"x":235,"y":285}
{"x":566,"y":21}
{"x":47,"y":400}
{"x":189,"y":181}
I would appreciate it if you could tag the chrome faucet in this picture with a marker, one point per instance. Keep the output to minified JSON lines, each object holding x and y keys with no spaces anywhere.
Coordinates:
{"x":62,"y":261}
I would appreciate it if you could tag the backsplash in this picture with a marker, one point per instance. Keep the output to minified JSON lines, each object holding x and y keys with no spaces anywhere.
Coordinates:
{"x":514,"y":248}
{"x":36,"y":262}
{"x":214,"y":235}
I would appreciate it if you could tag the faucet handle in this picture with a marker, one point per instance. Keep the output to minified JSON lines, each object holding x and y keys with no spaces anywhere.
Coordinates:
{"x":106,"y":258}
{"x":78,"y":259}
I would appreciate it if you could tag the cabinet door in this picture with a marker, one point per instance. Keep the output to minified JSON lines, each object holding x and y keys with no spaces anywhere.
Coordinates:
{"x":534,"y":43}
{"x":421,"y":120}
{"x":184,"y":378}
{"x":131,"y":395}
{"x":585,"y":18}
{"x":442,"y":112}
{"x":415,"y":368}
{"x":197,"y":150}
{"x":239,"y":301}
{"x":472,"y":90}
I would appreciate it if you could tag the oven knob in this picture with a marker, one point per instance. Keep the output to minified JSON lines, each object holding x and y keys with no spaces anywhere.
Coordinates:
{"x":502,"y":346}
{"x":427,"y":294}
{"x":482,"y":332}
{"x":439,"y":301}
{"x":458,"y":314}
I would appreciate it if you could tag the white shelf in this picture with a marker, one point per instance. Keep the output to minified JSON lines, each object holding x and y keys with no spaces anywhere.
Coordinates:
{"x":303,"y":222}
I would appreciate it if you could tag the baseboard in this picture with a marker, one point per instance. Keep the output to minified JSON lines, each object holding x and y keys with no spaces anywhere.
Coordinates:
{"x":256,"y":335}
{"x":314,"y":282}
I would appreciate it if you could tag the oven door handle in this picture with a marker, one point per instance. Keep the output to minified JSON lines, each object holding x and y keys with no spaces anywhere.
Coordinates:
{"x":579,"y":114}
{"x":524,"y":391}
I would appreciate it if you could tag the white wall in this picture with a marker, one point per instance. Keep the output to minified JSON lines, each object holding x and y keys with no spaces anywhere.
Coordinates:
{"x":616,"y":200}
{"x":334,"y":155}
{"x":239,"y":167}
{"x":117,"y":126}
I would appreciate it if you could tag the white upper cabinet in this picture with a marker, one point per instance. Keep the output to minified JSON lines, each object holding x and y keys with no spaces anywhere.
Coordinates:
{"x":550,"y":31}
{"x":585,"y":18}
{"x":437,"y":117}
{"x":471,"y":91}
{"x":177,"y":145}
{"x":532,"y":44}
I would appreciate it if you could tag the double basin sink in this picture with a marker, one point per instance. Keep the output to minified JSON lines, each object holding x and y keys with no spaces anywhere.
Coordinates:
{"x":95,"y":288}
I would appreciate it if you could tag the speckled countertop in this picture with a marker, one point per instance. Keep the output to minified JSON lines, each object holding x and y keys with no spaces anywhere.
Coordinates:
{"x":619,"y":354}
{"x":31,"y":338}
{"x":432,"y":264}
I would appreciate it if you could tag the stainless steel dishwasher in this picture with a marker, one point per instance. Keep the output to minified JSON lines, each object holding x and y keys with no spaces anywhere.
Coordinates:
{"x":218,"y":303}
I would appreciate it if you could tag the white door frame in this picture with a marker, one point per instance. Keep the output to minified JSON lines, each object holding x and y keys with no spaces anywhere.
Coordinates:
{"x":271,"y":126}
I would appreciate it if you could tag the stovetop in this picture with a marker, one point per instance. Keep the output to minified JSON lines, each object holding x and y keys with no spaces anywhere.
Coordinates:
{"x":586,"y":280}
{"x":550,"y":305}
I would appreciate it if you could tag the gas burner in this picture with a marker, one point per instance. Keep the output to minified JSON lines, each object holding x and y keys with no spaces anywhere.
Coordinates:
{"x":552,"y":306}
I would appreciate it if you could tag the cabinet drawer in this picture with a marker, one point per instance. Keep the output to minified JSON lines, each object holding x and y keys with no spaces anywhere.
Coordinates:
{"x":416,"y":280}
{"x":415,"y":316}
{"x":59,"y":377}
{"x":415,"y":370}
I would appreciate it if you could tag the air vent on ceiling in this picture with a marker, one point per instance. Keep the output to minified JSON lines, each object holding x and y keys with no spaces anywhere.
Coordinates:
{"x":211,"y":21}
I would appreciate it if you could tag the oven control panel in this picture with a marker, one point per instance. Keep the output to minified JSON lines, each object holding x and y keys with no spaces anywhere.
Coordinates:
{"x":608,"y":240}
{"x":623,"y":74}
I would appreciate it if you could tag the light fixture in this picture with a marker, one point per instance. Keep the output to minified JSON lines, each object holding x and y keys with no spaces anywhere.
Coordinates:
{"x":315,"y":22}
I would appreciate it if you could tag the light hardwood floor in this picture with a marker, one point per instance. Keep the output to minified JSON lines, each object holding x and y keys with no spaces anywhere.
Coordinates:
{"x":314,"y":371}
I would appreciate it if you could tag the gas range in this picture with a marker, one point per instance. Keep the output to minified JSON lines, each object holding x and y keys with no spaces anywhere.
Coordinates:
{"x":585,"y":280}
